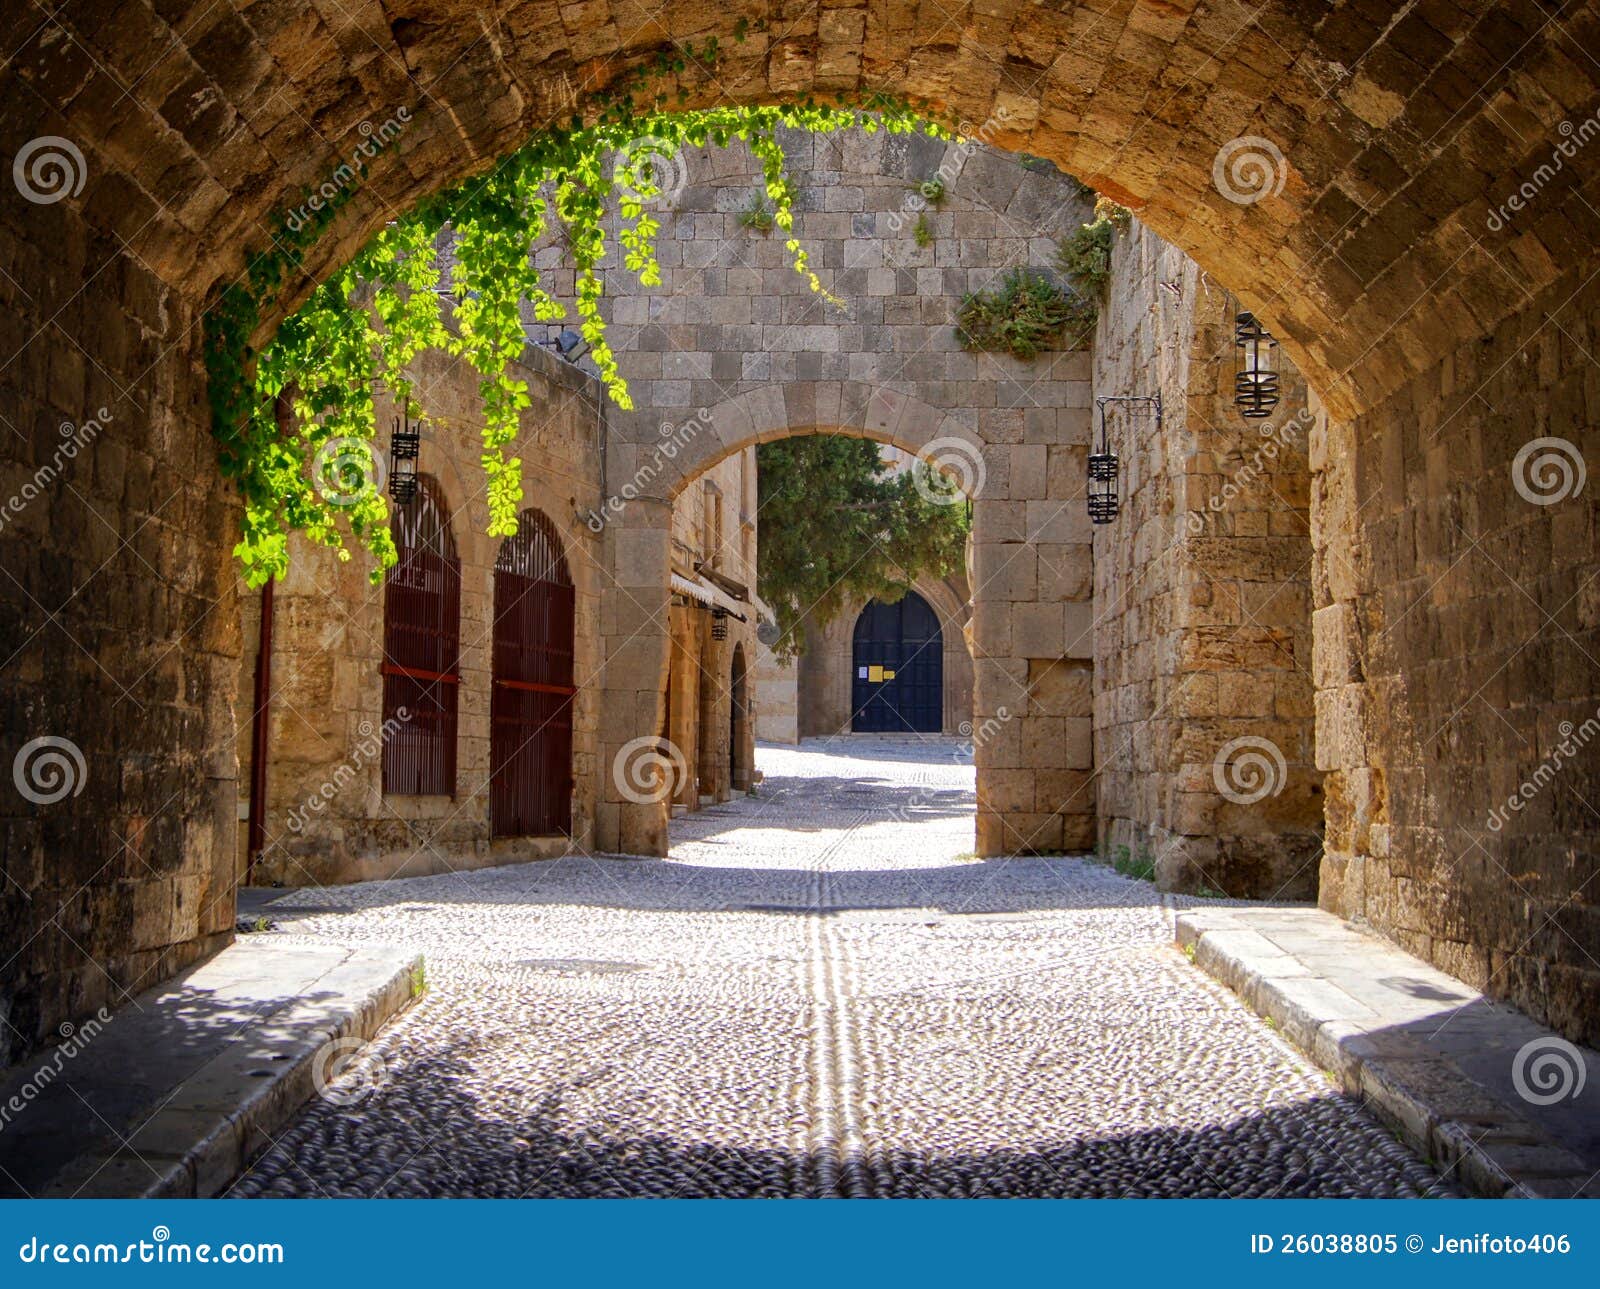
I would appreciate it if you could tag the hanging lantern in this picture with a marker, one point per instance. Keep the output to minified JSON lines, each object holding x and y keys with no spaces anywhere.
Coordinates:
{"x":719,"y":624}
{"x":1103,"y":470}
{"x":1255,"y":378}
{"x":405,"y":446}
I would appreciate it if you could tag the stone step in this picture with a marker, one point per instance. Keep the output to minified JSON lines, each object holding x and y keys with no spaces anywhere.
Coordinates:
{"x":173,"y":1093}
{"x":1501,"y":1104}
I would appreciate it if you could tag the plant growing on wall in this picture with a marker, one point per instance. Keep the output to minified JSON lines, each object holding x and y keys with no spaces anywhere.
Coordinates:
{"x":757,"y":214}
{"x":1084,"y":257}
{"x":367,"y":321}
{"x":838,"y":525}
{"x":1025,"y":314}
{"x":922,"y":231}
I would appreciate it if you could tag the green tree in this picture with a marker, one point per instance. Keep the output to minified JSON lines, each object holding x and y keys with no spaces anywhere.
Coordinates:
{"x":838,"y":523}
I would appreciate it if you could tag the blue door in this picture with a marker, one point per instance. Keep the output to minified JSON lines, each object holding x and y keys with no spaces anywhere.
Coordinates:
{"x":898,"y":669}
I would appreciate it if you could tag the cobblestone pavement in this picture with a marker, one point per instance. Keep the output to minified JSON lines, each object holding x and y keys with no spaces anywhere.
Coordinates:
{"x":819,"y":993}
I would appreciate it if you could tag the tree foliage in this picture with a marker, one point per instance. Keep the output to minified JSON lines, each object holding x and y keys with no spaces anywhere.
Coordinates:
{"x":838,"y":524}
{"x":364,"y":324}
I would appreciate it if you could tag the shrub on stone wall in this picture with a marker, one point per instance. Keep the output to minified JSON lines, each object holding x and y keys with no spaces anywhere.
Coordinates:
{"x":1027,"y":313}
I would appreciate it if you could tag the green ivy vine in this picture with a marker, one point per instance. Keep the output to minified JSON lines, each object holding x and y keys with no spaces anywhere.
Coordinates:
{"x":369,"y":320}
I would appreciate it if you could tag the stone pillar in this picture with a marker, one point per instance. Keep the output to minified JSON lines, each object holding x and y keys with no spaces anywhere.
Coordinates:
{"x":639,"y":770}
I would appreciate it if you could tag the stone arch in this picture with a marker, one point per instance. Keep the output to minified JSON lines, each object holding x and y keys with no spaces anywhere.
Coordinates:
{"x":1411,"y":248}
{"x":662,"y":459}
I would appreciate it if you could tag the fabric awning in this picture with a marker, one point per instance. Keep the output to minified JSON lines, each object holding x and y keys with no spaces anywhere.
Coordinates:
{"x":698,"y":588}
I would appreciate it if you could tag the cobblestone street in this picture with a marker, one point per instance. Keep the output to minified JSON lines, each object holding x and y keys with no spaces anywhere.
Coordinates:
{"x":819,"y":993}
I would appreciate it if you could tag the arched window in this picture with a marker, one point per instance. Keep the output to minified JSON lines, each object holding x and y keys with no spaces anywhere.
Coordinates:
{"x":421,"y":648}
{"x":530,"y":709}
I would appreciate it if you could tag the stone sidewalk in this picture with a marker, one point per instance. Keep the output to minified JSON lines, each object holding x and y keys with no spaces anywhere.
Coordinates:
{"x":819,"y":993}
{"x":169,"y":1095}
{"x":1506,"y":1104}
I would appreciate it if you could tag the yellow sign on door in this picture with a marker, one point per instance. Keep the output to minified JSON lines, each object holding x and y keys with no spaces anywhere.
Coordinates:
{"x":887,"y":674}
{"x":875,"y":674}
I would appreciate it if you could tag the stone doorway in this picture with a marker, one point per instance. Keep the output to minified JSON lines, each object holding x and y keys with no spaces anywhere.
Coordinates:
{"x":897,"y":662}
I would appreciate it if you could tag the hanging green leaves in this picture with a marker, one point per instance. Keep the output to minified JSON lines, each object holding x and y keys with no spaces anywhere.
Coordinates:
{"x":367,"y":322}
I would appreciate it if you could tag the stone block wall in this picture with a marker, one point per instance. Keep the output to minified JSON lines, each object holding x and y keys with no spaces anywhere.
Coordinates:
{"x":1457,"y":632}
{"x":1203,"y":709}
{"x":326,"y":709}
{"x":733,"y":348}
{"x":119,"y":631}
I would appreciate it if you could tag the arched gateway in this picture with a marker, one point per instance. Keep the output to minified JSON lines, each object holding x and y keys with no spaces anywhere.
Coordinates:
{"x":1405,"y":219}
{"x":897,"y":668}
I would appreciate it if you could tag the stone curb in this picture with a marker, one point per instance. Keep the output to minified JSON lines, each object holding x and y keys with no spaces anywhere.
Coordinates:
{"x":1481,"y":1142}
{"x":223,"y":1115}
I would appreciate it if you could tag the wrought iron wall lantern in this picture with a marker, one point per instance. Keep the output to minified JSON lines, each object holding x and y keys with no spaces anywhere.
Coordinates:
{"x":719,"y":624}
{"x":405,"y":446}
{"x":1105,"y":468}
{"x":1255,"y":376}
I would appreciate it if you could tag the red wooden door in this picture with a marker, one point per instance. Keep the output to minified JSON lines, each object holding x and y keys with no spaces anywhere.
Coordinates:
{"x":530,"y":709}
{"x":421,"y":649}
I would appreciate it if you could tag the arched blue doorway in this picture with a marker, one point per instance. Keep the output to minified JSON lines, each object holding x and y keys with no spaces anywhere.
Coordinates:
{"x":897,"y":664}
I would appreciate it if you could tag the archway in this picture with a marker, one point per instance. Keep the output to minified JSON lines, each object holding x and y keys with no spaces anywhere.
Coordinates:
{"x":897,"y":661}
{"x":1412,"y":245}
{"x":530,"y":788}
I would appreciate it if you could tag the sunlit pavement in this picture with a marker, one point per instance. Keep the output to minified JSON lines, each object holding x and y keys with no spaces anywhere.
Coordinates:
{"x":821,"y":992}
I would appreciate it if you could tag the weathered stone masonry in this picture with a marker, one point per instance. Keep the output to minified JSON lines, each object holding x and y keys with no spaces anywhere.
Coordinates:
{"x":1455,"y":622}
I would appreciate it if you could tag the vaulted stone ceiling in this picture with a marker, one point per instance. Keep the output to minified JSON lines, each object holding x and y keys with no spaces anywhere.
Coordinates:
{"x":1369,"y":247}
